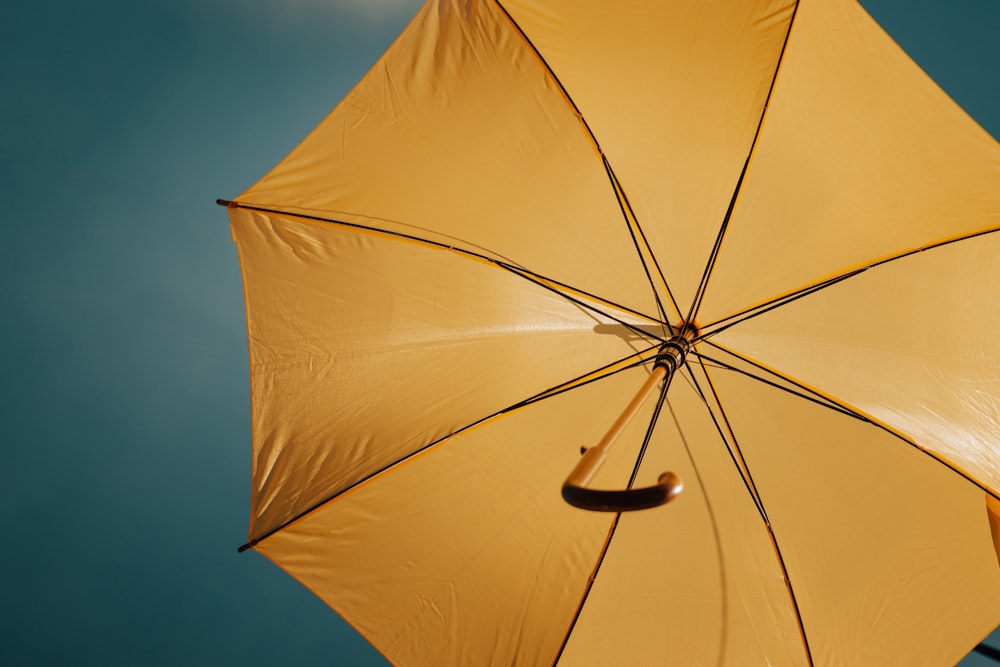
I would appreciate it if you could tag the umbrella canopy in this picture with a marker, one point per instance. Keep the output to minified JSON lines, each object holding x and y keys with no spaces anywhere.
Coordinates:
{"x":467,"y":270}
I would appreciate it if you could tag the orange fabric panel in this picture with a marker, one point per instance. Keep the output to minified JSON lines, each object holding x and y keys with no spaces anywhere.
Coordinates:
{"x":673,"y":92}
{"x":458,"y":134}
{"x":365,"y":348}
{"x":861,"y":157}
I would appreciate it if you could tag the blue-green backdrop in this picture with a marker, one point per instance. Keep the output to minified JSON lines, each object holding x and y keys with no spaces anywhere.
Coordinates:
{"x":125,"y":429}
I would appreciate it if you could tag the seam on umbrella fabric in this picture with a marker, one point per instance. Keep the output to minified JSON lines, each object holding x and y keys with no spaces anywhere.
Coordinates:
{"x":706,"y":275}
{"x":864,"y":417}
{"x":767,"y":523}
{"x":619,"y":191}
{"x":731,"y":447}
{"x":760,"y":309}
{"x":486,"y":259}
{"x":643,"y":357}
{"x":537,"y":279}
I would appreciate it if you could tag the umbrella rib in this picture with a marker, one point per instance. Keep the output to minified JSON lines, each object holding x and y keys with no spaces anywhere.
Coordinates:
{"x":812,"y":399}
{"x":613,"y":368}
{"x":590,"y":585}
{"x":713,"y":256}
{"x":719,"y":552}
{"x":584,"y":380}
{"x":649,"y":434}
{"x":614,"y":524}
{"x":705,"y":497}
{"x":630,"y":217}
{"x":623,"y":203}
{"x":861,"y":416}
{"x":543,"y":283}
{"x":736,"y":456}
{"x":750,"y":313}
{"x":760,"y":309}
{"x":622,"y":200}
{"x":537,"y":278}
{"x":767,"y":523}
{"x":555,"y":79}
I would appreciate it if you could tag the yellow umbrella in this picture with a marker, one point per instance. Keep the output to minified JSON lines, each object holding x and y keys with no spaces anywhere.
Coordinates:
{"x":530,"y":216}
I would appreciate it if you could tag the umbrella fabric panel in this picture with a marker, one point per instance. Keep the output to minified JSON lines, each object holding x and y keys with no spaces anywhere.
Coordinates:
{"x":467,"y":554}
{"x":912,"y":343}
{"x":365,"y":348}
{"x":459,"y":135}
{"x":888,"y":551}
{"x":861,"y":157}
{"x":673,"y":92}
{"x":993,"y":512}
{"x":694,"y":583}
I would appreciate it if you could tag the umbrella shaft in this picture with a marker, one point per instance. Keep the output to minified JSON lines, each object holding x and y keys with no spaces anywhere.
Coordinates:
{"x":594,"y":457}
{"x":669,"y":359}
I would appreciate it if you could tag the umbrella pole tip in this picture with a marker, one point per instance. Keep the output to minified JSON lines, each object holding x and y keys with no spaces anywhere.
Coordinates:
{"x":688,"y":329}
{"x":224,"y":202}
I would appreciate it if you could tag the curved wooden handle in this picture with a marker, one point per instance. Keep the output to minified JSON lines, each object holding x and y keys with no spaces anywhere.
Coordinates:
{"x":626,"y":500}
{"x":575,"y":491}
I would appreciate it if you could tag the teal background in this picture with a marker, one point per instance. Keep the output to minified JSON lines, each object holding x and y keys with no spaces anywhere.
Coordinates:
{"x":125,"y":431}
